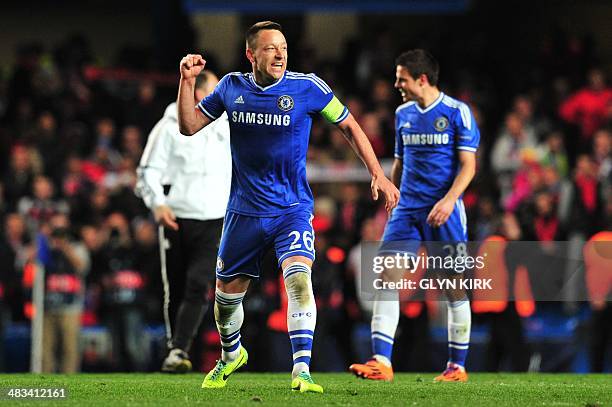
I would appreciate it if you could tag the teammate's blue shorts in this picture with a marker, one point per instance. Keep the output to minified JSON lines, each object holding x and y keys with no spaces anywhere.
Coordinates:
{"x":406,"y":230}
{"x":246,"y":239}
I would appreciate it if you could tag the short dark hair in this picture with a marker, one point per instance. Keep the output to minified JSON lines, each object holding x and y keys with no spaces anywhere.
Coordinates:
{"x":251,"y":33}
{"x":420,"y":62}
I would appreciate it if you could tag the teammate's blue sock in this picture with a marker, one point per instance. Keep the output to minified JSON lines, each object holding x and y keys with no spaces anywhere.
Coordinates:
{"x":301,"y":314}
{"x":459,"y":322}
{"x":229,"y":316}
{"x":385,"y":317}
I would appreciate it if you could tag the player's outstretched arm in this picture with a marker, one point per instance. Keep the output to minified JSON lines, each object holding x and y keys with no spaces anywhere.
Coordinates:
{"x":190,"y":119}
{"x":361,"y":145}
{"x":442,"y":210}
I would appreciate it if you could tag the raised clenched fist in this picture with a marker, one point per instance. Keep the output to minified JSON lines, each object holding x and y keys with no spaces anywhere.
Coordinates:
{"x":191,"y":65}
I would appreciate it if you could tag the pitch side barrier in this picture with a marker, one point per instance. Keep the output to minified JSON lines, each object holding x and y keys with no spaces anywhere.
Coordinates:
{"x":492,"y":270}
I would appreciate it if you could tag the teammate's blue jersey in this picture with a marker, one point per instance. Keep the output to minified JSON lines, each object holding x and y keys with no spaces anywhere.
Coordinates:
{"x":428,"y":141}
{"x":269,"y":133}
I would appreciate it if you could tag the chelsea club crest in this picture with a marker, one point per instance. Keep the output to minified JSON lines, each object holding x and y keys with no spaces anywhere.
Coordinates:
{"x":220,"y":264}
{"x":441,"y":123}
{"x":285,"y":103}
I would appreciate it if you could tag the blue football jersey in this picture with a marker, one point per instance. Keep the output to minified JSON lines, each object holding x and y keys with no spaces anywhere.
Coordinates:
{"x":269,"y":133}
{"x":428,"y":141}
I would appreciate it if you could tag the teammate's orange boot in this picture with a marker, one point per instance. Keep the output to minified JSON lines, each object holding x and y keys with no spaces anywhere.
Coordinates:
{"x":373,"y":370}
{"x":453,"y":373}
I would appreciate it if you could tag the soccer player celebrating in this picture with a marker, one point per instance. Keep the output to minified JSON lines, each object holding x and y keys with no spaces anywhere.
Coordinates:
{"x":436,"y":142}
{"x":270,"y":111}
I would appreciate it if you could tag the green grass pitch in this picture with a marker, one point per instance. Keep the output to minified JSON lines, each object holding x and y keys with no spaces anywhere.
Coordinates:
{"x":341,"y":389}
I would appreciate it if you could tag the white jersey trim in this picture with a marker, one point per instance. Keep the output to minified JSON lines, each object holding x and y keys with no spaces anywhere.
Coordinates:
{"x":252,"y":79}
{"x":404,"y":105}
{"x":434,"y":104}
{"x":464,"y":110}
{"x":206,"y":112}
{"x":312,"y":78}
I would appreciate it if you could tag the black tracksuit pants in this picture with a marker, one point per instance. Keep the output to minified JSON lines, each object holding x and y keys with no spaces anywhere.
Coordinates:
{"x":191,"y":261}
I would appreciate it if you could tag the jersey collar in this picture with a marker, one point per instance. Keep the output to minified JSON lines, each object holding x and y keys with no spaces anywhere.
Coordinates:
{"x":434,"y":104}
{"x":252,"y":79}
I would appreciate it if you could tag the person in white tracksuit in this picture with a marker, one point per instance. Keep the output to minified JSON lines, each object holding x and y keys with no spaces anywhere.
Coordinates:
{"x":185,"y":181}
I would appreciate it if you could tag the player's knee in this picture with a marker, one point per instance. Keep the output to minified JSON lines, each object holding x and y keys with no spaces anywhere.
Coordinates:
{"x":235,"y":285}
{"x":456,"y":295}
{"x":299,"y":288}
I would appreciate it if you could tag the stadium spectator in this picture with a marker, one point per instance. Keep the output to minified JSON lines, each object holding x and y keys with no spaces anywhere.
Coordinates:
{"x":120,"y":184}
{"x":552,"y":153}
{"x":544,"y":224}
{"x":74,"y":182}
{"x":18,"y":179}
{"x":486,"y":220}
{"x":98,"y":164}
{"x":602,"y":155}
{"x":584,"y":199}
{"x":41,"y":205}
{"x":94,"y":240}
{"x":508,"y":150}
{"x":559,"y":188}
{"x":15,"y":250}
{"x":131,"y":143}
{"x":92,"y":208}
{"x":105,"y":136}
{"x":527,"y":180}
{"x":123,"y":294}
{"x":66,"y":266}
{"x":145,"y":111}
{"x":523,"y":106}
{"x":589,"y":108}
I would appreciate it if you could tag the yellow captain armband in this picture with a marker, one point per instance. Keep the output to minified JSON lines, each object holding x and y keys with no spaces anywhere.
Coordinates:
{"x":335,"y":111}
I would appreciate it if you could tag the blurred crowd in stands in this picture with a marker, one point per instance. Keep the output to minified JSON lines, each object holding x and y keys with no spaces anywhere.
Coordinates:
{"x":72,"y":133}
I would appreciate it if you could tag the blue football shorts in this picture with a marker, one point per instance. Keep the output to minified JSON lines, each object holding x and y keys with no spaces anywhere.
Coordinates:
{"x":245,"y":240}
{"x":406,"y":231}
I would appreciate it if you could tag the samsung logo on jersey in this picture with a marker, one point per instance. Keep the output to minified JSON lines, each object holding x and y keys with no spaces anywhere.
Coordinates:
{"x":425,"y":139}
{"x":269,"y":119}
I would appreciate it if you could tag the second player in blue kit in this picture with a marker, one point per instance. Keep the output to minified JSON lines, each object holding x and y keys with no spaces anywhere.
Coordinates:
{"x":270,"y":111}
{"x":428,"y":142}
{"x":436,"y":138}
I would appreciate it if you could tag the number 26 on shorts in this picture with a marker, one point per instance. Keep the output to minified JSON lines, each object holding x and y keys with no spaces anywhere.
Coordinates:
{"x":307,"y":239}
